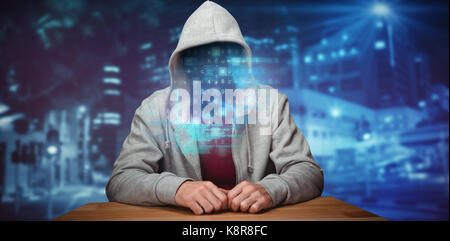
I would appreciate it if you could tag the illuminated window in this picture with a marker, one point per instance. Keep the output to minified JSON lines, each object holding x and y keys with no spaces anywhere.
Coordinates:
{"x":146,"y":46}
{"x":111,"y":69}
{"x":112,"y":92}
{"x":115,"y":81}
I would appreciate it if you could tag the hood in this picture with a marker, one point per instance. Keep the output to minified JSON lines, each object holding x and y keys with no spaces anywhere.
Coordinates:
{"x":209,"y":23}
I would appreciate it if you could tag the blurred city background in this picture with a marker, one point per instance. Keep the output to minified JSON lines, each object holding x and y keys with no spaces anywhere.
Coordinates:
{"x":367,"y":83}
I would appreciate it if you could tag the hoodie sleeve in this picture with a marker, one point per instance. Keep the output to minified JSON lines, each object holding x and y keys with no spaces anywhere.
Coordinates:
{"x":135,"y":178}
{"x":298,"y":177}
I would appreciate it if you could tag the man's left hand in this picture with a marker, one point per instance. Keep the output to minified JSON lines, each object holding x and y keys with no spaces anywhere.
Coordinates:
{"x":249,"y":197}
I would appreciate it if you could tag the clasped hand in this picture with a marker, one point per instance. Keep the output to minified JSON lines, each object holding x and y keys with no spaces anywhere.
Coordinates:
{"x":205,"y":197}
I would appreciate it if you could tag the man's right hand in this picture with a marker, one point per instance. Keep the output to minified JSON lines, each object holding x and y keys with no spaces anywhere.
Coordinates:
{"x":201,"y":197}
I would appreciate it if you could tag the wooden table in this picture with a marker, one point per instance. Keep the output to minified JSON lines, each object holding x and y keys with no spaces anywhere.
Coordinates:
{"x":319,"y":209}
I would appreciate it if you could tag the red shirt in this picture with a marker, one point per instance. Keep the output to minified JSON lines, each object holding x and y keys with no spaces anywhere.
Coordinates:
{"x":217,"y":163}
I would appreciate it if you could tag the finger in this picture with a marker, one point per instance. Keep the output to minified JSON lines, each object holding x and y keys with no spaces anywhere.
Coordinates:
{"x":236,"y":202}
{"x":234,"y":192}
{"x":218,"y":193}
{"x":209,"y":194}
{"x":257,"y":206}
{"x":221,"y":196}
{"x":245,"y":204}
{"x":196,"y":208}
{"x":205,"y":204}
{"x":225,"y":191}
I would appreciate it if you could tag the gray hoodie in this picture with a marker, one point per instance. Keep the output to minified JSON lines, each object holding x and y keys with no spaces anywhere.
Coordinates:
{"x":154,"y":160}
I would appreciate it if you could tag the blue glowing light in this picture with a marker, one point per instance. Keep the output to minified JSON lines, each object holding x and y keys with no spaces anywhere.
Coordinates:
{"x":380,"y":9}
{"x":379,"y":24}
{"x":434,"y":96}
{"x":13,"y":88}
{"x":52,"y":150}
{"x":380,"y":44}
{"x":222,"y":71}
{"x":114,"y":81}
{"x":331,"y":89}
{"x":308,"y":59}
{"x":335,"y":113}
{"x":146,"y":46}
{"x":422,"y":104}
{"x":112,"y":92}
{"x":320,"y":57}
{"x":388,"y":119}
{"x":82,"y":109}
{"x":366,"y":136}
{"x":111,"y":69}
{"x":344,"y":37}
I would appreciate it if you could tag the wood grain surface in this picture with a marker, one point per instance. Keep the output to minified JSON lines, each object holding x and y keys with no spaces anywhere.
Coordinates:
{"x":320,"y":209}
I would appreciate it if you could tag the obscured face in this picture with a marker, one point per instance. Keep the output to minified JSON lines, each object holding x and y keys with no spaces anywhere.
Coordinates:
{"x":219,"y":65}
{"x":206,"y":72}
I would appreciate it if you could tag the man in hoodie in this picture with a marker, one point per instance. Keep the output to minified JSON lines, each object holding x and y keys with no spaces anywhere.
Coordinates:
{"x":173,"y":159}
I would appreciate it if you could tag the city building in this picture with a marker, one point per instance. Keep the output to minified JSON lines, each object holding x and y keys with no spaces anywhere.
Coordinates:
{"x":287,"y":50}
{"x":372,"y":65}
{"x":106,"y":117}
{"x":264,"y":65}
{"x":344,"y":136}
{"x":276,"y":59}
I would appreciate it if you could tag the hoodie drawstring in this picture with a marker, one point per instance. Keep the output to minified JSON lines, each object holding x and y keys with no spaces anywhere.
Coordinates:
{"x":249,"y":151}
{"x":167,"y":142}
{"x":166,"y":134}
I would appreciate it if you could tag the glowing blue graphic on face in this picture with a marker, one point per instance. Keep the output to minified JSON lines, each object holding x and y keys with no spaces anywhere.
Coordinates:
{"x":221,"y":66}
{"x":196,"y":138}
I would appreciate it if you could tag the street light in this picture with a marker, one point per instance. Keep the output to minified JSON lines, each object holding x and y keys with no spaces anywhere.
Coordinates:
{"x":52,"y":149}
{"x":53,"y":146}
{"x":380,"y":9}
{"x":53,"y":142}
